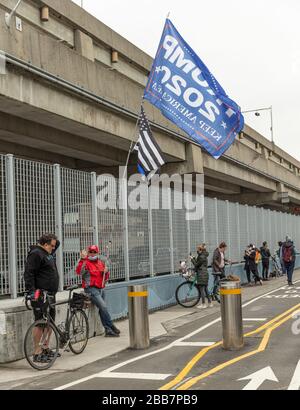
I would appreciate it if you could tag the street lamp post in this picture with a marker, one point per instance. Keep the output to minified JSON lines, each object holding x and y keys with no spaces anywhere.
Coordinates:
{"x":258,"y":115}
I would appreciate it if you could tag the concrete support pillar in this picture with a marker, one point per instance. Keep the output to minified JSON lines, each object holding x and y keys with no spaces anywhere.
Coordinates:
{"x":193,"y":163}
{"x":84,"y":45}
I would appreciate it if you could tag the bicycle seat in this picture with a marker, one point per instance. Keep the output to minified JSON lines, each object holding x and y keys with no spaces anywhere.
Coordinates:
{"x":73,"y":288}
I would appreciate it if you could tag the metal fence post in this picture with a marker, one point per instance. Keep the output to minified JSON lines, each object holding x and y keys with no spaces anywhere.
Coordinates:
{"x":203,"y":221}
{"x":11,"y":228}
{"x":150,"y":233}
{"x":216,"y":220}
{"x":238,"y":227}
{"x":271,"y":243}
{"x":124,"y":207}
{"x":171,"y":230}
{"x":229,"y":230}
{"x":248,"y":225}
{"x":94,"y":208}
{"x":255,"y":227}
{"x":59,"y":224}
{"x":188,"y":223}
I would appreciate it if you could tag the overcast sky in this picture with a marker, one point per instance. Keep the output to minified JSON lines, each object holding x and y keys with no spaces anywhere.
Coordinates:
{"x":251,"y":46}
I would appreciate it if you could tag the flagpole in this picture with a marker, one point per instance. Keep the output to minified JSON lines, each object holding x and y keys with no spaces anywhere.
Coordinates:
{"x":132,"y":143}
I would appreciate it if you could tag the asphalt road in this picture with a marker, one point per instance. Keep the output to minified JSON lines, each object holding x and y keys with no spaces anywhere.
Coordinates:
{"x":192,"y":357}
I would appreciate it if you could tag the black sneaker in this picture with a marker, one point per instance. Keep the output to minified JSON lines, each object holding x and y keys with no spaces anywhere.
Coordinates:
{"x":41,"y":358}
{"x":50,"y":353}
{"x":115,"y":329}
{"x":111,"y":333}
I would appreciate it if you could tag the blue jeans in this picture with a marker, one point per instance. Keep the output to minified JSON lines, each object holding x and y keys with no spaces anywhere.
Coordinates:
{"x":289,"y":267}
{"x":98,"y":299}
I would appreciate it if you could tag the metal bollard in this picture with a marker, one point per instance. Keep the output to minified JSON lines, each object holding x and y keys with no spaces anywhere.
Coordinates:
{"x":232,"y":320}
{"x":138,"y":317}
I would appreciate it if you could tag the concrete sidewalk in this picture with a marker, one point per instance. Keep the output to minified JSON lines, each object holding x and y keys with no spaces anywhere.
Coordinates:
{"x":161,"y":323}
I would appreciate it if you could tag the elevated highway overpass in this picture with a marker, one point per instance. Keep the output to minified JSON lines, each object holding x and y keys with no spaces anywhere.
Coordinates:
{"x":71,"y":93}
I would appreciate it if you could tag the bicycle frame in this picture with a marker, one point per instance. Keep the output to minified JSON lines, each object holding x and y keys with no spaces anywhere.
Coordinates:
{"x":65,"y":336}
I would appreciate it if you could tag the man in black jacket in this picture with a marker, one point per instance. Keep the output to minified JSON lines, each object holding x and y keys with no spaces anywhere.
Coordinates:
{"x":41,"y":273}
{"x":265,"y":255}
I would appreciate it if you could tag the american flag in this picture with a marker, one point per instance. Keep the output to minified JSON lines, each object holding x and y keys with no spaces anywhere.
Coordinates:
{"x":150,"y":157}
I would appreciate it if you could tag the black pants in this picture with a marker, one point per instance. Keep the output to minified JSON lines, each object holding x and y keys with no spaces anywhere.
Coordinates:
{"x":217,"y":281}
{"x":204,"y":293}
{"x":266,"y":265}
{"x":248,"y":272}
{"x":254,"y":271}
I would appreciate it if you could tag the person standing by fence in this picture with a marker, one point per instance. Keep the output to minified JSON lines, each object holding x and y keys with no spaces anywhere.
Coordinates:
{"x":265,"y":255}
{"x":201,"y":268}
{"x":41,"y":274}
{"x":289,"y":258}
{"x":279,"y":253}
{"x":247,"y":263}
{"x":218,"y":265}
{"x":94,"y":277}
{"x":253,"y":264}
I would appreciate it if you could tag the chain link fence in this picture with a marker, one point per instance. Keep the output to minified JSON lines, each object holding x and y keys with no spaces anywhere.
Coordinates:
{"x":37,"y":198}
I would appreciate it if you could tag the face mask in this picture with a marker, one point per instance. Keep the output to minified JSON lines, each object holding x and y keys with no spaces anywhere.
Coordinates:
{"x":93,"y":258}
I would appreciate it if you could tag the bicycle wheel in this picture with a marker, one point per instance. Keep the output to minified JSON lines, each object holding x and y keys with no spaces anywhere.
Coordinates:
{"x":78,"y":327}
{"x":187,"y":295}
{"x":41,"y":335}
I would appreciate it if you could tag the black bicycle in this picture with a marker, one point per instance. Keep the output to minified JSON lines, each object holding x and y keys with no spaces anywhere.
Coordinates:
{"x":44,"y":339}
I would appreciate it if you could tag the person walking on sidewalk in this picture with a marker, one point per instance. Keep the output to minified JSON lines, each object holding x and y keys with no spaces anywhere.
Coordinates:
{"x":265,"y":255}
{"x":253,"y":264}
{"x":218,"y":265}
{"x":201,"y":268}
{"x":94,"y":277}
{"x":289,"y":258}
{"x":41,"y":274}
{"x":279,"y":253}
{"x":247,"y":263}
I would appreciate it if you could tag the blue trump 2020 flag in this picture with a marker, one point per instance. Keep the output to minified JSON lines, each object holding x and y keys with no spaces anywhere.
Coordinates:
{"x":185,"y":91}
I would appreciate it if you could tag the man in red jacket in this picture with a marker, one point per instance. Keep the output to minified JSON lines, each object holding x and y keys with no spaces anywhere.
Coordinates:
{"x":94,"y":277}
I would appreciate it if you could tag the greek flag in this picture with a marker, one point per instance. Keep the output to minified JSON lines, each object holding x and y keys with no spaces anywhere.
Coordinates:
{"x":150,"y":157}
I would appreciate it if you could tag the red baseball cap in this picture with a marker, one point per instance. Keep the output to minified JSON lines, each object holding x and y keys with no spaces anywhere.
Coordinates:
{"x":93,"y":248}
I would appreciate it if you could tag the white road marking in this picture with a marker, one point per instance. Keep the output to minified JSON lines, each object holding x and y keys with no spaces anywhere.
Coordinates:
{"x":138,"y":376}
{"x":295,"y":383}
{"x":194,"y":344}
{"x":258,"y":378}
{"x":255,"y":320}
{"x":120,"y":365}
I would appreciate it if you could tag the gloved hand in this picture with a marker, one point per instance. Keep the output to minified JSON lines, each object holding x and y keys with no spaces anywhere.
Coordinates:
{"x":31,"y":295}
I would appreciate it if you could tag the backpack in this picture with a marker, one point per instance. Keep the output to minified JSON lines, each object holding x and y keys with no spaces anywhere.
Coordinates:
{"x":287,"y":254}
{"x":257,"y":257}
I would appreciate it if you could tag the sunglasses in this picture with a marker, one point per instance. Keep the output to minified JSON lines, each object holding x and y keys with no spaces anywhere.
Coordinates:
{"x":93,"y":252}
